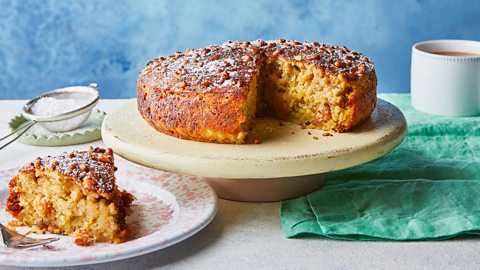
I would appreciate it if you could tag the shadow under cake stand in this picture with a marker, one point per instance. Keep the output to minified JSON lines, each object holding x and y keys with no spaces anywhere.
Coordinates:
{"x":288,"y":162}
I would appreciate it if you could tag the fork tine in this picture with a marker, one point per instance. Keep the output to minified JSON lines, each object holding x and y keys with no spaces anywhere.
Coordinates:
{"x":30,"y":246}
{"x":35,"y":244}
{"x":13,"y":239}
{"x":35,"y":240}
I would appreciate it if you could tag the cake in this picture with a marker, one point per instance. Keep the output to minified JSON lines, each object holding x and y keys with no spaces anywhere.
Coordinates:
{"x":213,"y":94}
{"x":72,"y":194}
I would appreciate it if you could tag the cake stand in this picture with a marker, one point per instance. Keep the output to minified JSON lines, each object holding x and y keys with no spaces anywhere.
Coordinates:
{"x":288,"y":162}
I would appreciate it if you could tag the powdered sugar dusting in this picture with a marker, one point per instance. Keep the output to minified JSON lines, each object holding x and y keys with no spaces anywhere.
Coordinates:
{"x":231,"y":66}
{"x":210,"y":69}
{"x":210,"y":66}
{"x":94,"y":168}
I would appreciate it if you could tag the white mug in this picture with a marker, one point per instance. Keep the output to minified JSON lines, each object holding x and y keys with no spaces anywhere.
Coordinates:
{"x":443,"y":83}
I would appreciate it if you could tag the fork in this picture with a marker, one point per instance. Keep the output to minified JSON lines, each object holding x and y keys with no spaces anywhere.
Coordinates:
{"x":13,"y":239}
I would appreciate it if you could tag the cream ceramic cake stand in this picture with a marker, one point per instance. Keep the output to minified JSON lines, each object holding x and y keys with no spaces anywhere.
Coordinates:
{"x":288,"y":162}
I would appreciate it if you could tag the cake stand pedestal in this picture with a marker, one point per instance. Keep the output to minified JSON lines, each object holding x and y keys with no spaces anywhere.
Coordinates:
{"x":288,"y":162}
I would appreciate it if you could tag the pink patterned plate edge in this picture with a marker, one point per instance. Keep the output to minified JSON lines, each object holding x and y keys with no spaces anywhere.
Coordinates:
{"x":169,"y":209}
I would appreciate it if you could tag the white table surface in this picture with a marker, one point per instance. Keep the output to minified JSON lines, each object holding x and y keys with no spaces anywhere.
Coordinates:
{"x":248,"y":235}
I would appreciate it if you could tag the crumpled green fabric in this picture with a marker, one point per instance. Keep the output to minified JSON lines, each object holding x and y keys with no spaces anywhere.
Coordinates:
{"x":427,"y":188}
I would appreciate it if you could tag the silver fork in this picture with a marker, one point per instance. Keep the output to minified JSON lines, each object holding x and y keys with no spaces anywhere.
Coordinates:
{"x":13,"y":239}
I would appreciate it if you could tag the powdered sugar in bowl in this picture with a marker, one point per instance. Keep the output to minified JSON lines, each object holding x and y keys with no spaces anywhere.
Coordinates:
{"x":62,"y":109}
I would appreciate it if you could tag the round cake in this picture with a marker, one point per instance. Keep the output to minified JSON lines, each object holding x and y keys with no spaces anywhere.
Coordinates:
{"x":213,"y":94}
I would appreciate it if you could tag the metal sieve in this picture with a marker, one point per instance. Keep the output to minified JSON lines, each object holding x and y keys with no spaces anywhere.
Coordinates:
{"x":64,"y":121}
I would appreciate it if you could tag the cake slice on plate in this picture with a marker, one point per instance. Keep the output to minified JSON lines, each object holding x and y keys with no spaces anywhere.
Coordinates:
{"x":72,"y":194}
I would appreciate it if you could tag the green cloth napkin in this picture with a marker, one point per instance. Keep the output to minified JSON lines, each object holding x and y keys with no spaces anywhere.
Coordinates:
{"x":427,"y":188}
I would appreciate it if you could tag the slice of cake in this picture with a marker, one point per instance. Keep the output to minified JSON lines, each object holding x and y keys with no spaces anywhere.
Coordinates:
{"x":72,"y":194}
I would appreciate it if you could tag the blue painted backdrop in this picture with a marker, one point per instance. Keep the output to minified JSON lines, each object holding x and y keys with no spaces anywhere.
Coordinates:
{"x":50,"y":44}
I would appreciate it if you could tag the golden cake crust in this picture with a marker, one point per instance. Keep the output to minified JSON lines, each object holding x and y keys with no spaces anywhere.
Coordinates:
{"x":201,"y":94}
{"x":184,"y":95}
{"x":92,"y":169}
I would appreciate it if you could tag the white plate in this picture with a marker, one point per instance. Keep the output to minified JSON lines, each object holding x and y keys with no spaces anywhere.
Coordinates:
{"x":169,"y":208}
